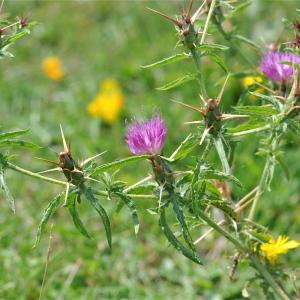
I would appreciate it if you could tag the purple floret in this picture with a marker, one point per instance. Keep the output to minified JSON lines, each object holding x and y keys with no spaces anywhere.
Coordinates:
{"x":146,"y":137}
{"x":272,"y":67}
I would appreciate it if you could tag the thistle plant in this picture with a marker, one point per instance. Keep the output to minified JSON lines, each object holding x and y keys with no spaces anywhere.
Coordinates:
{"x":194,"y":195}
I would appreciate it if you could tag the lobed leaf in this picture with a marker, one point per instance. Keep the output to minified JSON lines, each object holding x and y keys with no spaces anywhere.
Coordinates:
{"x":74,"y":214}
{"x":181,"y":219}
{"x":100,"y":210}
{"x":175,"y":242}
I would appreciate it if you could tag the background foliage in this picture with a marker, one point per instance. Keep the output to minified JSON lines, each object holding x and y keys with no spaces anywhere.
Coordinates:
{"x":96,"y":40}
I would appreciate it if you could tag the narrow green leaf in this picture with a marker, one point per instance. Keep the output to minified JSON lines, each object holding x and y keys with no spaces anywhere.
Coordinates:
{"x":225,"y":207}
{"x":245,"y":40}
{"x":143,"y":188}
{"x":119,"y":164}
{"x":174,"y":241}
{"x":213,"y":174}
{"x":12,"y":134}
{"x":168,"y":60}
{"x":212,"y":47}
{"x":217,"y":59}
{"x":180,"y":217}
{"x":237,"y":132}
{"x":184,"y":148}
{"x":239,"y":8}
{"x":19,"y":143}
{"x":269,"y":99}
{"x":48,"y":212}
{"x":177,"y":82}
{"x":262,"y":110}
{"x":132,"y":207}
{"x":222,"y":154}
{"x":6,"y":191}
{"x":76,"y":219}
{"x":100,"y":210}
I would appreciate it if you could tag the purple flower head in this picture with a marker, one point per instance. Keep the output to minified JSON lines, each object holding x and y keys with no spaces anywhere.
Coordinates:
{"x":272,"y":67}
{"x":146,"y":137}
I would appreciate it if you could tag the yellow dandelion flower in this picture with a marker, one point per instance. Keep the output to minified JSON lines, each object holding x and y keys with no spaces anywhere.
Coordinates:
{"x":251,"y":80}
{"x":109,"y":103}
{"x":52,"y":68}
{"x":274,"y":248}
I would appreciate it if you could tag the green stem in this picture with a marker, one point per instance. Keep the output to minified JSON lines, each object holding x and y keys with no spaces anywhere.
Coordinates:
{"x":261,"y":187}
{"x":210,"y":13}
{"x":63,"y":183}
{"x":269,"y":278}
{"x":266,"y":173}
{"x":223,"y":232}
{"x":197,"y":59}
{"x":35,"y":175}
{"x":258,"y":265}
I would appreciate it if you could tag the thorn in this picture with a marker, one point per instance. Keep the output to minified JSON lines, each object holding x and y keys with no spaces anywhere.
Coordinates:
{"x":47,"y":160}
{"x":192,"y":122}
{"x":203,"y":100}
{"x":53,"y":150}
{"x":200,"y":110}
{"x":67,"y":194}
{"x":91,"y":158}
{"x":50,"y":170}
{"x":205,"y":133}
{"x":222,"y":90}
{"x":190,"y":7}
{"x":93,"y":179}
{"x":195,"y":15}
{"x":265,"y":87}
{"x":229,"y":116}
{"x":64,"y":140}
{"x":181,"y":8}
{"x":164,"y":16}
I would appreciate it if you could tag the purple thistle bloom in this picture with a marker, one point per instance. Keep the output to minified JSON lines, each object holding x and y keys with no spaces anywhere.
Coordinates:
{"x":146,"y":137}
{"x":272,"y":67}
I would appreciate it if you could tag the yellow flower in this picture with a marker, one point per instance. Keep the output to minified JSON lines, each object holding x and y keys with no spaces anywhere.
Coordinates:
{"x":110,"y":85}
{"x":52,"y":68}
{"x":274,"y":248}
{"x":108,"y":103}
{"x":251,"y":80}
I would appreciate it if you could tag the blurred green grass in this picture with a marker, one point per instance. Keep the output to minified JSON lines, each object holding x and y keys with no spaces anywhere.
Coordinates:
{"x":111,"y":39}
